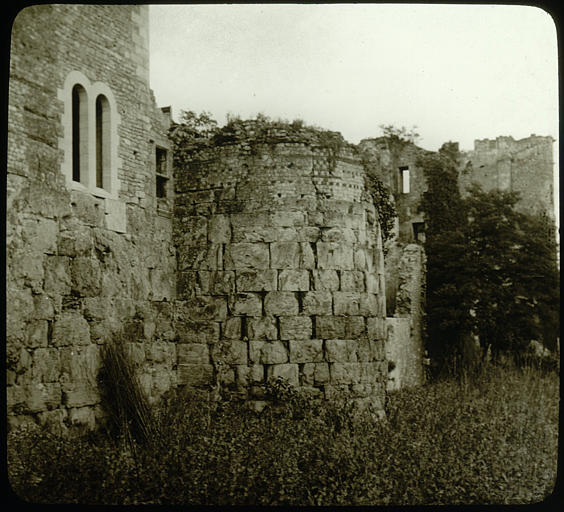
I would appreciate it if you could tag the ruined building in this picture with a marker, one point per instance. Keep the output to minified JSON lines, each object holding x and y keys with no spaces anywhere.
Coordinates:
{"x":267,"y":263}
{"x":262,"y":256}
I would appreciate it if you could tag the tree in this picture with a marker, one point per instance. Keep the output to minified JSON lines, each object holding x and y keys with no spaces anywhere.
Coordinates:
{"x":515,"y":275}
{"x":448,"y":284}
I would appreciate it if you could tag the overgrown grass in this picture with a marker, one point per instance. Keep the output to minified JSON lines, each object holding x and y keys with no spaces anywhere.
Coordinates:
{"x":492,"y":439}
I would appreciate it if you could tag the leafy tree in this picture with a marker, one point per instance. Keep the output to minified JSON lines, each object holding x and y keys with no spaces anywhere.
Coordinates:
{"x":515,"y":276}
{"x":449,"y":297}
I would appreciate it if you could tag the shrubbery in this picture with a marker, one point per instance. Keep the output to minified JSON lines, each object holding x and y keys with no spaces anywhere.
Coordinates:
{"x":489,"y":440}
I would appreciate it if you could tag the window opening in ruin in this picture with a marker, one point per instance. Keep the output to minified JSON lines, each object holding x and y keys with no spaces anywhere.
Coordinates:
{"x":102,"y":140}
{"x":419,"y":231}
{"x":404,"y":178}
{"x":79,"y":133}
{"x":161,"y":157}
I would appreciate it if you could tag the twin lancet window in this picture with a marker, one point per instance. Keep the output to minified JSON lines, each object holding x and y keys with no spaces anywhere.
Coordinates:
{"x":81,"y":136}
{"x":90,"y":142}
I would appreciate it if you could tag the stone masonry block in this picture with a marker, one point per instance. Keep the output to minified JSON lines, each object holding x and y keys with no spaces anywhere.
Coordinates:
{"x":360,"y":258}
{"x":352,"y":281}
{"x":375,"y":328}
{"x":295,"y":327}
{"x":46,"y":365}
{"x":44,"y":307}
{"x":321,"y":373}
{"x":368,"y":304}
{"x":372,"y":283}
{"x":188,"y":331}
{"x":377,"y":349}
{"x":57,"y":275}
{"x":262,"y":328}
{"x":163,"y":353}
{"x":293,"y":280}
{"x":229,"y":352}
{"x":40,"y":235}
{"x":333,"y":255}
{"x":42,"y":396}
{"x":37,"y":332}
{"x":330,"y":327}
{"x":256,"y":280}
{"x":287,"y":219}
{"x":194,"y":375}
{"x":344,"y":373}
{"x":81,"y":364}
{"x":281,"y":303}
{"x":247,"y":256}
{"x":232,"y":328}
{"x":70,"y":328}
{"x":317,"y":303}
{"x":356,"y":327}
{"x":219,"y":229}
{"x":338,"y":234}
{"x":206,"y":308}
{"x":306,"y":351}
{"x":306,"y":374}
{"x":217,"y":282}
{"x":86,"y":276}
{"x":284,"y":255}
{"x":267,"y":352}
{"x":115,"y":217}
{"x":27,"y":268}
{"x":194,"y":230}
{"x":288,"y":372}
{"x":346,"y":303}
{"x":308,"y":234}
{"x":326,"y":280}
{"x":245,"y":304}
{"x":80,"y":394}
{"x":337,"y":351}
{"x":307,"y":256}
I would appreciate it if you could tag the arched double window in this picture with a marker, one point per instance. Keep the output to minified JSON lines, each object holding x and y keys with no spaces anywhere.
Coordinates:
{"x":90,"y":141}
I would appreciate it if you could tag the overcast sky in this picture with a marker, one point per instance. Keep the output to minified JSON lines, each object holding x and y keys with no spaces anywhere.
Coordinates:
{"x":457,"y":72}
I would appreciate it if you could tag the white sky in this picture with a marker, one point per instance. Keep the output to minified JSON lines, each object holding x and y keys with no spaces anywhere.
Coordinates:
{"x":457,"y":72}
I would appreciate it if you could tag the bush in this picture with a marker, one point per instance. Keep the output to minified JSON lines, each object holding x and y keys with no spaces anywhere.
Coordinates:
{"x":489,"y":440}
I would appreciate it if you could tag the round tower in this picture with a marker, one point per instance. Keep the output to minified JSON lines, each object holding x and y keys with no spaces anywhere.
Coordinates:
{"x":280,"y":264}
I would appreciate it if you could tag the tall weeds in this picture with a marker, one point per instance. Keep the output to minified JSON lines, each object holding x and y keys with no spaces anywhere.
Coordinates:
{"x":127,"y":406}
{"x":490,"y":439}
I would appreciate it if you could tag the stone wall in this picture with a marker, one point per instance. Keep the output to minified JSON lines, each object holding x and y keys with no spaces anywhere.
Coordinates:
{"x":386,"y":160}
{"x":82,"y":265}
{"x":524,"y":166}
{"x":404,"y":331}
{"x":281,"y":269}
{"x":404,"y":258}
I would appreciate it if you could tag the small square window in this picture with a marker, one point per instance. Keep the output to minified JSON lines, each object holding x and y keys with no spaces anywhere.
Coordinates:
{"x":419,"y":231}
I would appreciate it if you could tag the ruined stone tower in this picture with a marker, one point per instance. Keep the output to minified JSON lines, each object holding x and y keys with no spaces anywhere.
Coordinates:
{"x":279,"y":247}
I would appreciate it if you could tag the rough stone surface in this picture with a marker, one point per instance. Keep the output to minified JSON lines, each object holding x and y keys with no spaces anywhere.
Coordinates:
{"x":82,"y":268}
{"x":308,"y":302}
{"x":264,"y":258}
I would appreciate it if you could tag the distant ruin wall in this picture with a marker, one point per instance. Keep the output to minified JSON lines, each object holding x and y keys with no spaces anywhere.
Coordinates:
{"x":280,"y":261}
{"x":524,"y":166}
